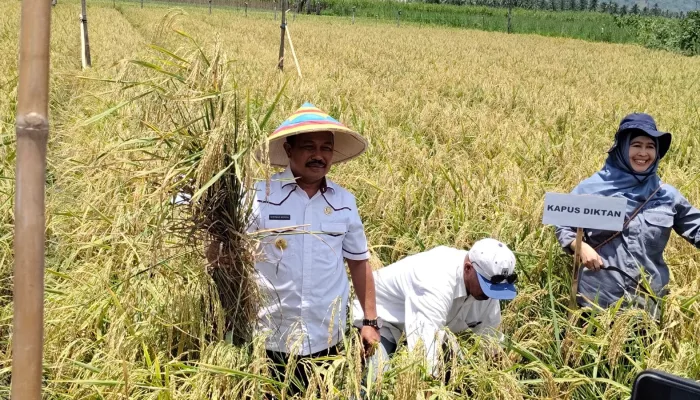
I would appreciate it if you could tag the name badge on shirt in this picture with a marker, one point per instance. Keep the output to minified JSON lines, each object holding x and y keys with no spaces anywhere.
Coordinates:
{"x":280,"y":217}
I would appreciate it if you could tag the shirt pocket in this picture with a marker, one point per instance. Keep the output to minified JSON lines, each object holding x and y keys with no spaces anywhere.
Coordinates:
{"x":657,"y":229}
{"x":330,"y":243}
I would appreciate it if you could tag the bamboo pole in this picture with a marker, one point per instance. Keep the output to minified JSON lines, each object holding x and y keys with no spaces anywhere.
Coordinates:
{"x":280,"y":64}
{"x":85,"y":50}
{"x":294,"y":54}
{"x":577,"y":262}
{"x":32,"y":130}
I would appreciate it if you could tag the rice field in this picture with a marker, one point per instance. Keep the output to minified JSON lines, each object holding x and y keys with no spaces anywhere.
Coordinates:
{"x":468,"y":130}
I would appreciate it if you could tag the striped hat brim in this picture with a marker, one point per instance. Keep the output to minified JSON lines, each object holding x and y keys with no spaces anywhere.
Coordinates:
{"x":348,"y":144}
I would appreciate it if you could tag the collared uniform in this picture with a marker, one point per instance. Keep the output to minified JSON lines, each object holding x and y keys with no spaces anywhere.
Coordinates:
{"x":423,"y":293}
{"x":300,"y":265}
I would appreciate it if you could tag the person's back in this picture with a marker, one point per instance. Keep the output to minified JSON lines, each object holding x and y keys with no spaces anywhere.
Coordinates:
{"x":420,"y":295}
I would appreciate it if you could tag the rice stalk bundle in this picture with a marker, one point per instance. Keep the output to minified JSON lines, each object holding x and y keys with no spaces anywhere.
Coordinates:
{"x":200,"y":155}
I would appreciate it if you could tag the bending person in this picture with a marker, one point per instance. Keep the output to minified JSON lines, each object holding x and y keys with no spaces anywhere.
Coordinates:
{"x":653,"y":209}
{"x":422,"y":294}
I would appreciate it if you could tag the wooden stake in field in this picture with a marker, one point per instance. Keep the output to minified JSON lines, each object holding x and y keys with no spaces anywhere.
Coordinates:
{"x":353,"y":15}
{"x":294,"y":54}
{"x":577,"y":263}
{"x":246,"y":8}
{"x":84,"y":41}
{"x":283,"y":27}
{"x":32,"y":130}
{"x":209,"y":7}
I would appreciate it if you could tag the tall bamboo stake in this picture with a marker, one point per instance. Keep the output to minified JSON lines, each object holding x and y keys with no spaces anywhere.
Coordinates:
{"x":294,"y":54}
{"x":87,"y":61}
{"x":32,"y":130}
{"x":280,"y":64}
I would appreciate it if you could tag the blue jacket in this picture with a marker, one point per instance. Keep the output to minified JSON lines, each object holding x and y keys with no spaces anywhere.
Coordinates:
{"x":638,"y":249}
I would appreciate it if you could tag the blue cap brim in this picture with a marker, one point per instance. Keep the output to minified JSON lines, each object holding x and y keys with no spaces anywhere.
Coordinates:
{"x":501,"y":291}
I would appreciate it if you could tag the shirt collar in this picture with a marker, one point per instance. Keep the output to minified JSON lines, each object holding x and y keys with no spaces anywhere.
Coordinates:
{"x":287,"y":179}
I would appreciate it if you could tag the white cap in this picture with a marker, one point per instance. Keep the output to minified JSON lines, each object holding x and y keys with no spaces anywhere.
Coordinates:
{"x":490,"y":258}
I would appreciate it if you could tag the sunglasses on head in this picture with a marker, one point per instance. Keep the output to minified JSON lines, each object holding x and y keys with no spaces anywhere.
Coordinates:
{"x":496,"y":279}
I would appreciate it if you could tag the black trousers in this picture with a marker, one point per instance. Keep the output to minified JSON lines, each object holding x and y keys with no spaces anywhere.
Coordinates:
{"x":301,"y":379}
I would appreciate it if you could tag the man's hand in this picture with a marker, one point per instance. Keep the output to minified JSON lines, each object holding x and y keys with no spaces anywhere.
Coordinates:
{"x":370,"y":339}
{"x":590,"y":258}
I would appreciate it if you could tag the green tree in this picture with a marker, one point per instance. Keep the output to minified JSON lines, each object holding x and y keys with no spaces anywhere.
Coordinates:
{"x":583,"y":5}
{"x":623,"y":10}
{"x":635,"y":9}
{"x":594,"y":5}
{"x":690,"y":33}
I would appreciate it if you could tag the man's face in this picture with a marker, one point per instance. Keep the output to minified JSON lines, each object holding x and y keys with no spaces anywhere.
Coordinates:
{"x":472,"y":282}
{"x":311,"y":155}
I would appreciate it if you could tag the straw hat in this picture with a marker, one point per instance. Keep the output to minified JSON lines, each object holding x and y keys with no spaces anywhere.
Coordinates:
{"x":348,"y":144}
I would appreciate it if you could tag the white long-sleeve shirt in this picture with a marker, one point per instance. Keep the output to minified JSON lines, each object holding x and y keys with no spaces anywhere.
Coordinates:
{"x":424,"y":293}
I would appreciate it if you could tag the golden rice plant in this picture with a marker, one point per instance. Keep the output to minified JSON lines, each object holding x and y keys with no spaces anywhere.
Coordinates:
{"x":468,"y":130}
{"x":196,"y":147}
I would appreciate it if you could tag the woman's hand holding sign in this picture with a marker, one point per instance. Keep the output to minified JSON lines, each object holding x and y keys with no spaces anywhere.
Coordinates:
{"x":589,"y":257}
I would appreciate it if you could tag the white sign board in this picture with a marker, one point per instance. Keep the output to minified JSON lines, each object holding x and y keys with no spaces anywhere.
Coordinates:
{"x":584,"y":211}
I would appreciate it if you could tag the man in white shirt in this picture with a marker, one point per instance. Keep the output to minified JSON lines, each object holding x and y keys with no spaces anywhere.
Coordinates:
{"x":308,"y":225}
{"x":422,"y":294}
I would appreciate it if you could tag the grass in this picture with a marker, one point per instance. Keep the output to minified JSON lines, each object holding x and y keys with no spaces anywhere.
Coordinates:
{"x":468,"y":130}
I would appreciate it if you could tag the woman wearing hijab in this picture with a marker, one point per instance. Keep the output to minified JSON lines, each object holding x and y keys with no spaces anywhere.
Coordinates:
{"x":615,"y":261}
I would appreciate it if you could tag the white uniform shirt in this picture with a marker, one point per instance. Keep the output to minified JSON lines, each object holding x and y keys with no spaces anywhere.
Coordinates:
{"x":423,"y":293}
{"x":301,"y":270}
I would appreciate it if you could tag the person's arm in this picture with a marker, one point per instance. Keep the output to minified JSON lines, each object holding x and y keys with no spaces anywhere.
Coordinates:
{"x":356,"y":253}
{"x":687,"y":222}
{"x":566,"y":236}
{"x":363,"y":282}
